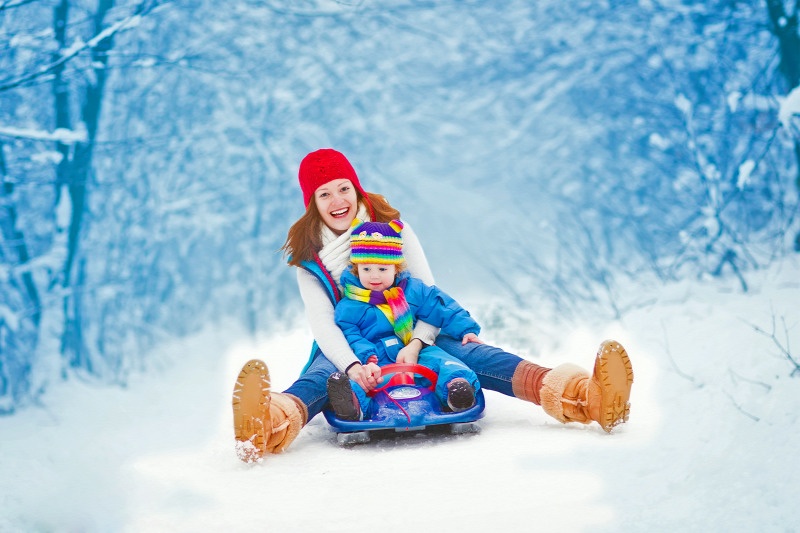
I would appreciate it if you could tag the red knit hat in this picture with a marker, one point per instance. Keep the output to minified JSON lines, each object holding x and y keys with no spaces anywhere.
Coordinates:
{"x":322,"y":166}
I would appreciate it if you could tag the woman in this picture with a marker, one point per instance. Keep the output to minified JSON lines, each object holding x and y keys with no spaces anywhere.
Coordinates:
{"x":319,"y":245}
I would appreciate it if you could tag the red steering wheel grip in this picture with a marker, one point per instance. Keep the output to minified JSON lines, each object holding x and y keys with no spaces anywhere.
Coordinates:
{"x":396,"y":368}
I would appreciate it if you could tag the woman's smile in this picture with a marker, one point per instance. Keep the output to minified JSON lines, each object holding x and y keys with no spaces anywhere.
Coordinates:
{"x":336,"y":203}
{"x":340,"y":213}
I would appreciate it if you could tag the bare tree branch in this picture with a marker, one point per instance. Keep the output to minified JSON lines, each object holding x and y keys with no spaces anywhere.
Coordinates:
{"x":678,"y":371}
{"x":739,"y":408}
{"x":75,"y":50}
{"x":784,"y":349}
{"x":8,"y":4}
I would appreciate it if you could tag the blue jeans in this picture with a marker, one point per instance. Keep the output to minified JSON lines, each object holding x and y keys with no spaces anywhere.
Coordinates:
{"x":312,"y":385}
{"x":494,"y":368}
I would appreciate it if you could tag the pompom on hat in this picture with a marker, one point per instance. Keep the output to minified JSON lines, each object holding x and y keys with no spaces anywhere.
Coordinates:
{"x":322,"y":166}
{"x":376,"y":243}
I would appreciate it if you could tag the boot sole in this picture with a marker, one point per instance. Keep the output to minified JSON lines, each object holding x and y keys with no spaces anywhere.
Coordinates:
{"x":613,"y":369}
{"x":460,"y":395}
{"x":251,"y":411}
{"x":342,"y":399}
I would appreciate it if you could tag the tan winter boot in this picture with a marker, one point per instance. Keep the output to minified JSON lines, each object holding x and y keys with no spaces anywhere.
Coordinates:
{"x":263,"y":421}
{"x":569,"y":394}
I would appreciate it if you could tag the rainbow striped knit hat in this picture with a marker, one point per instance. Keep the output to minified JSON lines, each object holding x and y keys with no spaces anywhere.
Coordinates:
{"x":376,"y":243}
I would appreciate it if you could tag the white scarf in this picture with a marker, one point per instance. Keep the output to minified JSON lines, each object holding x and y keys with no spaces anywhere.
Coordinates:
{"x":335,"y":252}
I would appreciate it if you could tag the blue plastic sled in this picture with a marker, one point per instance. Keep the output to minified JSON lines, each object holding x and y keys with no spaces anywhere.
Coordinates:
{"x":401,"y":405}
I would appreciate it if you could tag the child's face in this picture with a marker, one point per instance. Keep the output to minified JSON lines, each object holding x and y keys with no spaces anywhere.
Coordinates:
{"x":376,"y":277}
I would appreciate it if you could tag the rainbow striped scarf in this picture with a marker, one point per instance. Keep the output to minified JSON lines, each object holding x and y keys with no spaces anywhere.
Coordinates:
{"x":392,"y":303}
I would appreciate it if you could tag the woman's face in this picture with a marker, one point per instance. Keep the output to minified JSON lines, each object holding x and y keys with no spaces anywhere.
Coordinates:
{"x":337,"y":204}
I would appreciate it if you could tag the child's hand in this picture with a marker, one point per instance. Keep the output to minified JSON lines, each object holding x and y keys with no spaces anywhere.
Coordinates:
{"x":410,"y":352}
{"x":470,"y":337}
{"x":409,"y":356}
{"x":367,"y":376}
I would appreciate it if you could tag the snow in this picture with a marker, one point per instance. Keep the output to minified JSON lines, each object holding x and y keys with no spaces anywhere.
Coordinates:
{"x":789,"y":106}
{"x":710,"y":446}
{"x":62,"y":135}
{"x":745,"y":172}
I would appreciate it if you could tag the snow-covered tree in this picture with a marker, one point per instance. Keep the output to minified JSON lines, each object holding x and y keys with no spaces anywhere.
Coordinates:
{"x":149,"y":153}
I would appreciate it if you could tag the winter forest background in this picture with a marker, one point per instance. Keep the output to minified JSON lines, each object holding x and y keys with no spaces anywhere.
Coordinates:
{"x":550,"y":155}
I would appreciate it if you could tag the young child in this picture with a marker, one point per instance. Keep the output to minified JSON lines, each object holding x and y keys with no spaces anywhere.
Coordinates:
{"x":378,"y":313}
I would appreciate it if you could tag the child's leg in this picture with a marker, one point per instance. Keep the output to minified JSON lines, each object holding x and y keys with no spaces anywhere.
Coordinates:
{"x":448,"y":368}
{"x":348,"y":399}
{"x":364,"y":401}
{"x":460,"y":394}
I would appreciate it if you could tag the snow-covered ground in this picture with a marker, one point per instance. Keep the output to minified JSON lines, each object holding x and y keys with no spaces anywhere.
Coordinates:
{"x":711,"y":444}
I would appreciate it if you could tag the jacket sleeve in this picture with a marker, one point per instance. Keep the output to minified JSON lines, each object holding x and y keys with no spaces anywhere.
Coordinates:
{"x":438,"y":308}
{"x":319,"y":313}
{"x":348,"y":316}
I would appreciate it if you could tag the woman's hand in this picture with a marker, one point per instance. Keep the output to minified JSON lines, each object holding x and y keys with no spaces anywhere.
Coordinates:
{"x":367,"y":376}
{"x":470,"y":337}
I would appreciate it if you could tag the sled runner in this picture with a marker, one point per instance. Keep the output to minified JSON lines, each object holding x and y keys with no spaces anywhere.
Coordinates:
{"x":401,"y":405}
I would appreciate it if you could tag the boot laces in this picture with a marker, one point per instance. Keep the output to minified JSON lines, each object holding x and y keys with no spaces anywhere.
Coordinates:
{"x":281,"y":427}
{"x":577,"y":402}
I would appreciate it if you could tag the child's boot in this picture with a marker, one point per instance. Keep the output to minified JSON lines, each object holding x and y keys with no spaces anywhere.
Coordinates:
{"x":263,"y":421}
{"x":343,"y":399}
{"x":569,"y":394}
{"x":460,"y":394}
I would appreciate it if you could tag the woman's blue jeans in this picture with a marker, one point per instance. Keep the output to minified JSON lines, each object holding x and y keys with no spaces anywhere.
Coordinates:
{"x":494,"y":368}
{"x":312,"y":385}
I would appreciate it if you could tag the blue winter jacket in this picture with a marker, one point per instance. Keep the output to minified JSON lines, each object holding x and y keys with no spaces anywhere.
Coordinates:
{"x":369,"y":331}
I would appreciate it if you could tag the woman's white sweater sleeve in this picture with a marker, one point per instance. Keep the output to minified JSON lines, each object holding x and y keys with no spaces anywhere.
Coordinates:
{"x":418,"y":267}
{"x":319,"y":313}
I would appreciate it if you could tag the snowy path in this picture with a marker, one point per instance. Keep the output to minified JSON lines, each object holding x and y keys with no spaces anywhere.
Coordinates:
{"x":711,"y":444}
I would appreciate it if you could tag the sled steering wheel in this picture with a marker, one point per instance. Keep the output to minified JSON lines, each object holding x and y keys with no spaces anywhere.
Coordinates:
{"x":400,"y":379}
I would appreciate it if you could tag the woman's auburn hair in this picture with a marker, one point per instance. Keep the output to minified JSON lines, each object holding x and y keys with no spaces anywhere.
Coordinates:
{"x":304,"y":239}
